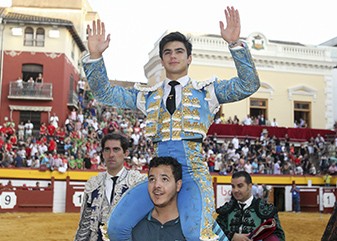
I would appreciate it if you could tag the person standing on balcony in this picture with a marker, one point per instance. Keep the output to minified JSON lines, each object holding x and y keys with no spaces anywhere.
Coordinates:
{"x":30,"y":86}
{"x":38,"y":83}
{"x":19,"y":86}
{"x":39,"y":79}
{"x":179,"y":112}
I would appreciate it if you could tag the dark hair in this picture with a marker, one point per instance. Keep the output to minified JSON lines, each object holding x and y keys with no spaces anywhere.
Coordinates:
{"x":175,"y":36}
{"x":248,"y":178}
{"x":118,"y":137}
{"x":168,"y":161}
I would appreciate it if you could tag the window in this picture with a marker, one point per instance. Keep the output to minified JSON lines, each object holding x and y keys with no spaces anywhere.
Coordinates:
{"x":302,"y":113}
{"x":40,"y":37}
{"x":34,"y":117}
{"x":258,"y":107}
{"x":31,"y":70}
{"x":29,"y":37}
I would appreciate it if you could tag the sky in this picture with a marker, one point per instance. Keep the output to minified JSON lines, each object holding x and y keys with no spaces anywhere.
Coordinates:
{"x":136,"y":25}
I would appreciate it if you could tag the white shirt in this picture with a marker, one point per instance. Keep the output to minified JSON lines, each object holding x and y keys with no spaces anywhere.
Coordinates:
{"x":109,"y":183}
{"x":167,"y":89}
{"x":54,"y":121}
{"x":247,"y":121}
{"x":235,"y":142}
{"x":81,"y":84}
{"x":277,"y":168}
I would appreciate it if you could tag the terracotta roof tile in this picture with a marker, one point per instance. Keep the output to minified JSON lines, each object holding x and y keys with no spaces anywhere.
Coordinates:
{"x":12,"y":17}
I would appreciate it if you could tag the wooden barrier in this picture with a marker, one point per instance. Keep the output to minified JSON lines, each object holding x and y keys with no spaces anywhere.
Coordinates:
{"x":27,"y":199}
{"x":329,"y":197}
{"x":74,"y":195}
{"x":309,"y":199}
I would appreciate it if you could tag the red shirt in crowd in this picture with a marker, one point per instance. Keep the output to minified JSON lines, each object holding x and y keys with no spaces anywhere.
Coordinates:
{"x":52,"y":145}
{"x":51,"y":129}
{"x":60,"y":134}
{"x":43,"y":130}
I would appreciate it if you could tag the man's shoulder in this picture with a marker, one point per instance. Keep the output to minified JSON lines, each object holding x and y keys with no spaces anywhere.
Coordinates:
{"x":94,"y":182}
{"x":134,"y":176}
{"x":142,"y":87}
{"x":264,"y":209}
{"x":226,"y":208}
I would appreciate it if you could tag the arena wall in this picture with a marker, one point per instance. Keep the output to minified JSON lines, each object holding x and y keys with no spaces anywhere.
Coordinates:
{"x":63,"y":192}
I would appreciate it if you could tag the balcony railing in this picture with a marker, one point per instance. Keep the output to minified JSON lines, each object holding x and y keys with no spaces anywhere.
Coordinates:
{"x":33,"y":91}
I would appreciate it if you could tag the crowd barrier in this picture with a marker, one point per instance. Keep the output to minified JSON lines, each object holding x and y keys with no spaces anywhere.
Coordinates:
{"x":66,"y":194}
{"x":242,"y":131}
{"x":27,"y":199}
{"x":74,"y":195}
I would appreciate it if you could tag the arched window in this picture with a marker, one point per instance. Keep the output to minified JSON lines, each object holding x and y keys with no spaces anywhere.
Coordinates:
{"x":40,"y":37}
{"x":29,"y":37}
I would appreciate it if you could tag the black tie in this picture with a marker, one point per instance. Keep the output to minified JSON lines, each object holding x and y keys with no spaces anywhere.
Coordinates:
{"x":171,"y":99}
{"x":114,"y":179}
{"x":242,"y":205}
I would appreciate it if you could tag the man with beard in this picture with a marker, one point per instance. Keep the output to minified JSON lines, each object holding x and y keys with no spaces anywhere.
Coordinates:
{"x":240,"y":217}
{"x":164,"y":184}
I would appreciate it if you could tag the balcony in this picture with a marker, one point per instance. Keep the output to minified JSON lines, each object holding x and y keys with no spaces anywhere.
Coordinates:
{"x":28,"y":91}
{"x":295,"y":134}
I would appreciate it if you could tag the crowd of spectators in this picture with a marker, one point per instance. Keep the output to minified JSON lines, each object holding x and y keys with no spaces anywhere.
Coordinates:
{"x":75,"y":144}
{"x":271,"y":155}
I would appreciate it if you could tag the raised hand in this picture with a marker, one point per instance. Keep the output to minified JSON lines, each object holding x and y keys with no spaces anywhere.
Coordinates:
{"x":97,"y":43}
{"x":232,"y":31}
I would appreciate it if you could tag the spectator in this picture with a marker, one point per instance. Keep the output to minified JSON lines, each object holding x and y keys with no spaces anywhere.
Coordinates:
{"x":327,"y":179}
{"x":262,"y":120}
{"x":295,"y":192}
{"x":21,"y":131}
{"x":29,"y":129}
{"x":54,"y":120}
{"x":248,"y":121}
{"x":81,"y":86}
{"x":19,"y":85}
{"x":277,"y":167}
{"x":18,"y":161}
{"x":274,"y":123}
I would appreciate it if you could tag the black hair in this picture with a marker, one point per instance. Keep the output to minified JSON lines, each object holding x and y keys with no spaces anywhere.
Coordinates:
{"x":175,"y":36}
{"x":248,"y":178}
{"x":118,"y":137}
{"x":168,"y":161}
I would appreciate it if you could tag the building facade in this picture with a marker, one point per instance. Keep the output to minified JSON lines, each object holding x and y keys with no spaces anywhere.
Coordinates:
{"x":44,"y":38}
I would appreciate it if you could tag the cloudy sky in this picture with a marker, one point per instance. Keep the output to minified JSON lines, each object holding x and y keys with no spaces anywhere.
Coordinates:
{"x":136,"y":25}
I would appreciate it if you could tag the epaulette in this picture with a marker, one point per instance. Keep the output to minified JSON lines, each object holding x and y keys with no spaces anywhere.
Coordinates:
{"x":147,"y":88}
{"x":94,"y":182}
{"x":265,"y":210}
{"x":226,"y":208}
{"x":202,"y":84}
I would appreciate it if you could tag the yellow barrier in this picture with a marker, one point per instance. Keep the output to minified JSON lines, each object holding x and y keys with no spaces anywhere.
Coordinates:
{"x":25,"y":173}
